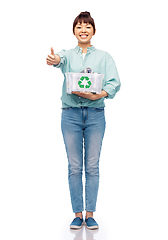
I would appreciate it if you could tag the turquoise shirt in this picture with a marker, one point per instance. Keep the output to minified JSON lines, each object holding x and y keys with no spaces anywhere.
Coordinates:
{"x":100,"y":62}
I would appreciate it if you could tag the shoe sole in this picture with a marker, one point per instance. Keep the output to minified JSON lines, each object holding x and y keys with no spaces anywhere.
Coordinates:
{"x":92,"y":227}
{"x":76,"y":227}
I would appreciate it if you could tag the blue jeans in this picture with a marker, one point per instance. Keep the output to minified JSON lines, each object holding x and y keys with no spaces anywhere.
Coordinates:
{"x":83,"y":129}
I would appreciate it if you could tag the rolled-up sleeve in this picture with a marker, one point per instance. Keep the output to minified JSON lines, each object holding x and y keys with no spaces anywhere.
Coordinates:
{"x":112,"y":81}
{"x":63,"y":59}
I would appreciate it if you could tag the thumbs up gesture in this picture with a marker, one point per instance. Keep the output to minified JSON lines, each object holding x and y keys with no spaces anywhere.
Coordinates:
{"x":52,"y":58}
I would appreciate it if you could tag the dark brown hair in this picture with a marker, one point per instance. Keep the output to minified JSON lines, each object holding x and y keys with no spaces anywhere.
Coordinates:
{"x":84,"y":17}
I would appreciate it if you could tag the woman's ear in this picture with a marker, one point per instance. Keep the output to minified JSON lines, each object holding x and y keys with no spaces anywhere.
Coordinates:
{"x":94,"y":32}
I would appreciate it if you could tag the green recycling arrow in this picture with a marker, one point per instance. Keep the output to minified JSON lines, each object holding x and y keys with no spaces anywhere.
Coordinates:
{"x":84,"y":82}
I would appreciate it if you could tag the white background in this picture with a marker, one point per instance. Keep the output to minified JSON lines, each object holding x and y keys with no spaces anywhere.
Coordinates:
{"x":133,"y":195}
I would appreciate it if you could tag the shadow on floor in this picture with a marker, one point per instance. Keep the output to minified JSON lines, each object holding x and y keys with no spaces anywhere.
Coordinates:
{"x":79,"y":234}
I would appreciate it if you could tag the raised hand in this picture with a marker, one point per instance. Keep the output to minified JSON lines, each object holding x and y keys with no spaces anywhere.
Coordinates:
{"x":52,"y":58}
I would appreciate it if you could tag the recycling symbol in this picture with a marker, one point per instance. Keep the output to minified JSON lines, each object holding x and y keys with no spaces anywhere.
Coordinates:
{"x":84,"y":82}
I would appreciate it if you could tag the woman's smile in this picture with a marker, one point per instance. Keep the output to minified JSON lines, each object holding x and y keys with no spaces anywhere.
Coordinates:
{"x":83,"y":36}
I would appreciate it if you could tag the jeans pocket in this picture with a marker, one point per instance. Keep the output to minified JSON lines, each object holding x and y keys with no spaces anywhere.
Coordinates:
{"x":100,"y":109}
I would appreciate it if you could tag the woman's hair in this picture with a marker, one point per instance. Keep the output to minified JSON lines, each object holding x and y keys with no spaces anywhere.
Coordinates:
{"x":84,"y":17}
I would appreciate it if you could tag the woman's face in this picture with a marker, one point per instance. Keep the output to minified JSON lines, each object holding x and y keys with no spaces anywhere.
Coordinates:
{"x":84,"y":32}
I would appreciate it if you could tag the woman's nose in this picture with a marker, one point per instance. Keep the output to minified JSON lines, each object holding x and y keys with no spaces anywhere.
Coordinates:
{"x":83,"y":29}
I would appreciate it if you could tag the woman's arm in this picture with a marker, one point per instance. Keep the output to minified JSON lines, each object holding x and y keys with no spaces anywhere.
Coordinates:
{"x":52,"y":58}
{"x":90,"y":95}
{"x":112,"y":84}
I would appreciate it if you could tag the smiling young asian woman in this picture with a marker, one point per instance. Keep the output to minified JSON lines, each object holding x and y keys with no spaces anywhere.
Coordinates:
{"x":83,"y":119}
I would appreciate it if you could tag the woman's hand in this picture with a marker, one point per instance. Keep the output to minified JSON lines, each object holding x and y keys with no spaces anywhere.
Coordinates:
{"x":90,"y":95}
{"x":52,"y":58}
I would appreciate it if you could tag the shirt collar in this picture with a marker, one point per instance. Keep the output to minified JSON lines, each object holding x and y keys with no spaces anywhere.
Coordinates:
{"x":90,"y":49}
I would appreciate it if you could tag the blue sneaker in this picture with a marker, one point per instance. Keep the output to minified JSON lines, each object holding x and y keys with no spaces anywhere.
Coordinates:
{"x":77,"y":223}
{"x":91,"y":223}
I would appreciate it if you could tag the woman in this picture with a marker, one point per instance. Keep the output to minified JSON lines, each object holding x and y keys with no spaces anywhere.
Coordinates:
{"x":83,"y":120}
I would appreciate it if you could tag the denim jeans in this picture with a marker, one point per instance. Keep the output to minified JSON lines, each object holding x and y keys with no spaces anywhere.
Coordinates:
{"x":83,"y":130}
